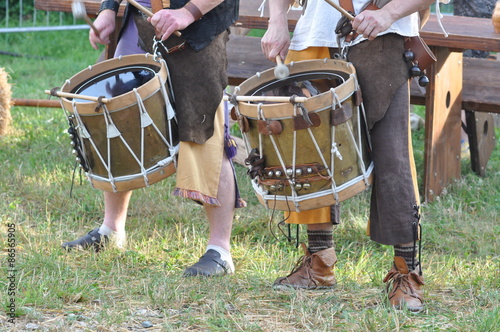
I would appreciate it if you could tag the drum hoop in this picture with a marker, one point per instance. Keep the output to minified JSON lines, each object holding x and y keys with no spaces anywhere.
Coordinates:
{"x":286,"y":110}
{"x":122,"y":101}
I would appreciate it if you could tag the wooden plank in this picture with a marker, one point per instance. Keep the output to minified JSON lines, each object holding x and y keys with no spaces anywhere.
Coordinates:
{"x":245,"y":58}
{"x":92,"y":6}
{"x":481,"y":133}
{"x":463,"y":32}
{"x":443,"y":123}
{"x":482,"y":85}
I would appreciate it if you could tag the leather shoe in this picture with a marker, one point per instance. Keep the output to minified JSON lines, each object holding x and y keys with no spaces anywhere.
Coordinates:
{"x":404,"y":287}
{"x":210,"y":264}
{"x":92,"y":240}
{"x":312,"y":271}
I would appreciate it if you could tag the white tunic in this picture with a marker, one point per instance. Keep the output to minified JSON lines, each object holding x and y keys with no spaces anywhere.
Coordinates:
{"x":316,"y":27}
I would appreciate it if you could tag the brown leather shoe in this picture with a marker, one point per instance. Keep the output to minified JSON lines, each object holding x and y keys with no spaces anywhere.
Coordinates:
{"x":406,"y":292}
{"x":311,"y":271}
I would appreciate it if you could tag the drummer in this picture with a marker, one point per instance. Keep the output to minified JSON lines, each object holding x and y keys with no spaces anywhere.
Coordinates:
{"x":377,"y":54}
{"x":204,"y":172}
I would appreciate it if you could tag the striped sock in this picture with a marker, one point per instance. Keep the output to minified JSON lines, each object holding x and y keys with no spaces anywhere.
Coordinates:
{"x":409,"y":253}
{"x":319,"y":240}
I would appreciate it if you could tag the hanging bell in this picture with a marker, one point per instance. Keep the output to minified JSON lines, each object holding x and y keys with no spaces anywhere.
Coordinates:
{"x":423,"y":81}
{"x":409,"y":56}
{"x":415,"y":71}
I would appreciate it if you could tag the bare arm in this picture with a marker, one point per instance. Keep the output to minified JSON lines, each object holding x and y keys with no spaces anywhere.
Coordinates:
{"x":276,"y":40}
{"x":370,"y":23}
{"x":105,"y":23}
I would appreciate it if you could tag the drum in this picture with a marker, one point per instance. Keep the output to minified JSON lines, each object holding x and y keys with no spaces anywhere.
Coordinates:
{"x":129,"y":141}
{"x":308,"y":154}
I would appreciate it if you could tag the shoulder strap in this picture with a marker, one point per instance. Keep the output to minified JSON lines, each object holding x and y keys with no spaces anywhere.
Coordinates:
{"x":157,"y":5}
{"x":347,"y":5}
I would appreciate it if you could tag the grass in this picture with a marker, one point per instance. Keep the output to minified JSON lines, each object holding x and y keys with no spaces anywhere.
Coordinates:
{"x":121,"y":291}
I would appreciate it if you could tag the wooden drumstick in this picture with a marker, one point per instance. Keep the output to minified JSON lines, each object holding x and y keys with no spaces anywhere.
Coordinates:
{"x":281,"y":71}
{"x":341,"y":10}
{"x":77,"y":96}
{"x":79,"y":11}
{"x":269,"y":99}
{"x":147,"y":12}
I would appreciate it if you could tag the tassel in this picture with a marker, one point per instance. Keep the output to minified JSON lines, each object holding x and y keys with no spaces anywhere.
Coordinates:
{"x":230,"y":146}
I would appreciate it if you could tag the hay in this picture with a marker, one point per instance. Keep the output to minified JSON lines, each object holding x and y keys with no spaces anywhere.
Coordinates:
{"x":5,"y":103}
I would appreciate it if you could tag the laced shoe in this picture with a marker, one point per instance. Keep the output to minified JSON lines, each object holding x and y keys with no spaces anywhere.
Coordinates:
{"x":312,"y":271}
{"x":404,"y":286}
{"x":210,"y":264}
{"x":92,"y":240}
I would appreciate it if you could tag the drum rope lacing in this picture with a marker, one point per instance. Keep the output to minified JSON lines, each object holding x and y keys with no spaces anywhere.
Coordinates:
{"x":361,"y":108}
{"x":261,"y":116}
{"x":336,"y":189}
{"x":113,"y":132}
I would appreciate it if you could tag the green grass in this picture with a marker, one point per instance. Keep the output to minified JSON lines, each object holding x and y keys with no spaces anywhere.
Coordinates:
{"x":118,"y":291}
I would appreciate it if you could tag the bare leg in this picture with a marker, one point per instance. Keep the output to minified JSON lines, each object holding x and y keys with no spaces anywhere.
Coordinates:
{"x":115,"y":210}
{"x":220,"y":218}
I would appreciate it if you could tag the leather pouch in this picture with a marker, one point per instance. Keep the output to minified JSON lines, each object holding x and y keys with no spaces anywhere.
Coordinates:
{"x":423,"y":56}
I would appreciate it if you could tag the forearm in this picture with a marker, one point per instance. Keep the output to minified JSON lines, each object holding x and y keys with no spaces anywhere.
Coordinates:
{"x":398,"y":9}
{"x":278,"y":10}
{"x":206,"y":5}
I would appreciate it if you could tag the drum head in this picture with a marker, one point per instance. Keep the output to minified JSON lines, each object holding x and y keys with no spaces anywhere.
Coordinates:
{"x":115,"y":82}
{"x":301,"y":84}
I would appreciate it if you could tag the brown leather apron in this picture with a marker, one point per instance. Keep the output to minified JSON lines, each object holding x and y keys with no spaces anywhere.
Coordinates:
{"x":198,"y":80}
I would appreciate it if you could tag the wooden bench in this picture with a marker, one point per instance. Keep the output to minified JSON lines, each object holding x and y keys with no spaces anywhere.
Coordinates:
{"x":481,"y":92}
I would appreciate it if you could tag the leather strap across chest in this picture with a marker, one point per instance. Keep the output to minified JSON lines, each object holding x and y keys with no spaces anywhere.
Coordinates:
{"x":157,"y":5}
{"x":347,"y":5}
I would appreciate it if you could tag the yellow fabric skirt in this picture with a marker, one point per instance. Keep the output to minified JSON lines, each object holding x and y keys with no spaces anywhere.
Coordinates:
{"x":199,"y":165}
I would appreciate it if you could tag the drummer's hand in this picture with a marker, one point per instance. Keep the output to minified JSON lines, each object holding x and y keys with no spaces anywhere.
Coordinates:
{"x":166,"y":21}
{"x":370,"y":23}
{"x":105,"y":24}
{"x":276,"y":40}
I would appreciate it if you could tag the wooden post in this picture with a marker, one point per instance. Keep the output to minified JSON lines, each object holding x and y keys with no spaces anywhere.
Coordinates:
{"x":443,"y":122}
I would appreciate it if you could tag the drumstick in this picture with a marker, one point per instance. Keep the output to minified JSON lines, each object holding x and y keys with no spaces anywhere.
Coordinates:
{"x":281,"y":71}
{"x":270,"y":99}
{"x":147,"y":12}
{"x":341,"y":10}
{"x":79,"y":11}
{"x":77,"y":96}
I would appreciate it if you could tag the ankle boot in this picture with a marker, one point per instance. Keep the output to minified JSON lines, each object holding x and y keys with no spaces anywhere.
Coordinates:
{"x":406,"y":286}
{"x":311,"y":271}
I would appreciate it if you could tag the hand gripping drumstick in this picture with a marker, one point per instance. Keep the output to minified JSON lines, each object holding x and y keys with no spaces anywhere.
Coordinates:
{"x":79,"y":11}
{"x":147,"y":12}
{"x":281,"y":71}
{"x":341,"y":10}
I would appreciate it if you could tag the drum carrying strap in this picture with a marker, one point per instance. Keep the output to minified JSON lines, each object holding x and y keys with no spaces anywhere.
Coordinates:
{"x":157,"y":5}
